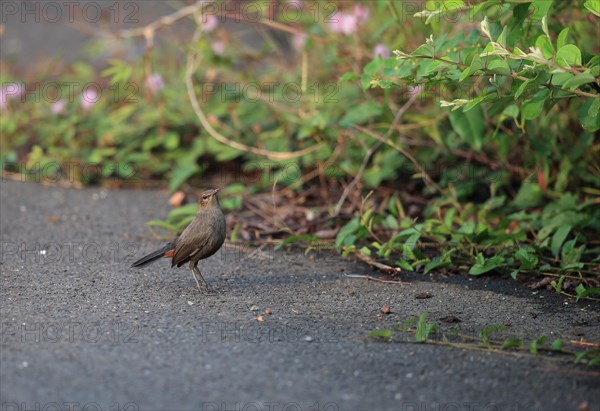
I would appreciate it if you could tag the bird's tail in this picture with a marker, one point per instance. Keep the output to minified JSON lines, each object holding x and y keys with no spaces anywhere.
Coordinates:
{"x":152,"y":257}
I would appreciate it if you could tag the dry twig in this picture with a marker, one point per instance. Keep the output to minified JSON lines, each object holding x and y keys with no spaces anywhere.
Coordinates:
{"x":380,"y":266}
{"x":193,"y":62}
{"x":372,"y":151}
{"x":378,"y":280}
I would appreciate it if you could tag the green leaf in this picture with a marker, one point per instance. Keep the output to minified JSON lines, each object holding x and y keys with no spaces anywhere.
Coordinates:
{"x":171,"y":141}
{"x":557,"y":344}
{"x":543,"y":43}
{"x":360,"y":114}
{"x":402,"y":263}
{"x":162,"y":224}
{"x":470,"y":126}
{"x":181,"y":174}
{"x":570,"y":254}
{"x":559,"y":79}
{"x":345,"y":231}
{"x":178,"y":214}
{"x":350,"y":76}
{"x":490,"y":330}
{"x":533,"y":347}
{"x":531,"y":85}
{"x":476,"y":64}
{"x":559,"y":238}
{"x":477,"y":101}
{"x":528,"y":260}
{"x":562,"y":38}
{"x":578,"y":80}
{"x":583,"y":292}
{"x":481,"y":267}
{"x":568,"y":55}
{"x":539,"y":9}
{"x":511,"y":342}
{"x":120,"y":71}
{"x":502,"y":37}
{"x":391,"y":222}
{"x":529,"y":195}
{"x":562,"y":178}
{"x":445,"y":260}
{"x":373,"y":67}
{"x":423,"y":328}
{"x":593,"y":6}
{"x":365,"y":81}
{"x":533,"y":108}
{"x":424,"y":50}
{"x":511,"y":111}
{"x":590,"y":353}
{"x":589,"y":115}
{"x":385,"y":333}
{"x":558,"y":286}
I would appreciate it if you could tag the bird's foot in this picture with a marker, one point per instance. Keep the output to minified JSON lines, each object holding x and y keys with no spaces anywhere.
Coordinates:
{"x":206,"y":289}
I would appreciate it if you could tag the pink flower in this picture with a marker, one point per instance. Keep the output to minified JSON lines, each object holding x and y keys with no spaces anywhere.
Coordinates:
{"x":349,"y":24}
{"x":296,"y":3}
{"x":415,"y":91}
{"x":298,"y":41}
{"x":89,"y":97}
{"x":218,"y":47}
{"x":361,"y":12}
{"x":58,"y":107}
{"x":154,"y":83}
{"x":381,"y":50}
{"x":343,"y":23}
{"x":209,"y":22}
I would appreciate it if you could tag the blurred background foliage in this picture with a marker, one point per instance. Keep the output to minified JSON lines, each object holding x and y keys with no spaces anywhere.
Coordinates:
{"x":493,"y":166}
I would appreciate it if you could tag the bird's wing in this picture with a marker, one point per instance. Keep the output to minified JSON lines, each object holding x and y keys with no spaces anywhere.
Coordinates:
{"x":192,"y":240}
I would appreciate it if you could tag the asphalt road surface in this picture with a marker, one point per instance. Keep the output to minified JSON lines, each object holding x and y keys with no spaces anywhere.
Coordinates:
{"x":80,"y":330}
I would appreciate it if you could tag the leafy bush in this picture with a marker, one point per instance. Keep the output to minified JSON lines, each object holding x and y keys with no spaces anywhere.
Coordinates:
{"x":529,"y":102}
{"x":478,"y":135}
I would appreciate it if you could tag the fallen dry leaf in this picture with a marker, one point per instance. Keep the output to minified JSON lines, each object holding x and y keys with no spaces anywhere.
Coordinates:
{"x":451,"y":319}
{"x":327,"y":233}
{"x":268,"y":311}
{"x":177,"y":199}
{"x":542,"y":283}
{"x":385,"y":309}
{"x":260,"y":318}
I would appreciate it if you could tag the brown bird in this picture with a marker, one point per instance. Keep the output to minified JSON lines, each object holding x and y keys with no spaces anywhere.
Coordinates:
{"x":201,"y":238}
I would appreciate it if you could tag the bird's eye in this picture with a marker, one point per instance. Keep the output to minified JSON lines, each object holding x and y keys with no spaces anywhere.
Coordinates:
{"x":204,"y":196}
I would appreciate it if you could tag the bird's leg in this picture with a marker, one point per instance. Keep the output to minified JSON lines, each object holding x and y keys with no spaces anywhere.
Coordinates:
{"x":195,"y":270}
{"x":197,"y":283}
{"x":210,"y":291}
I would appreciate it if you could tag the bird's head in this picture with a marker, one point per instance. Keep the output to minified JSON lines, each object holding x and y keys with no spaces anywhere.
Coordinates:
{"x":208,"y":199}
